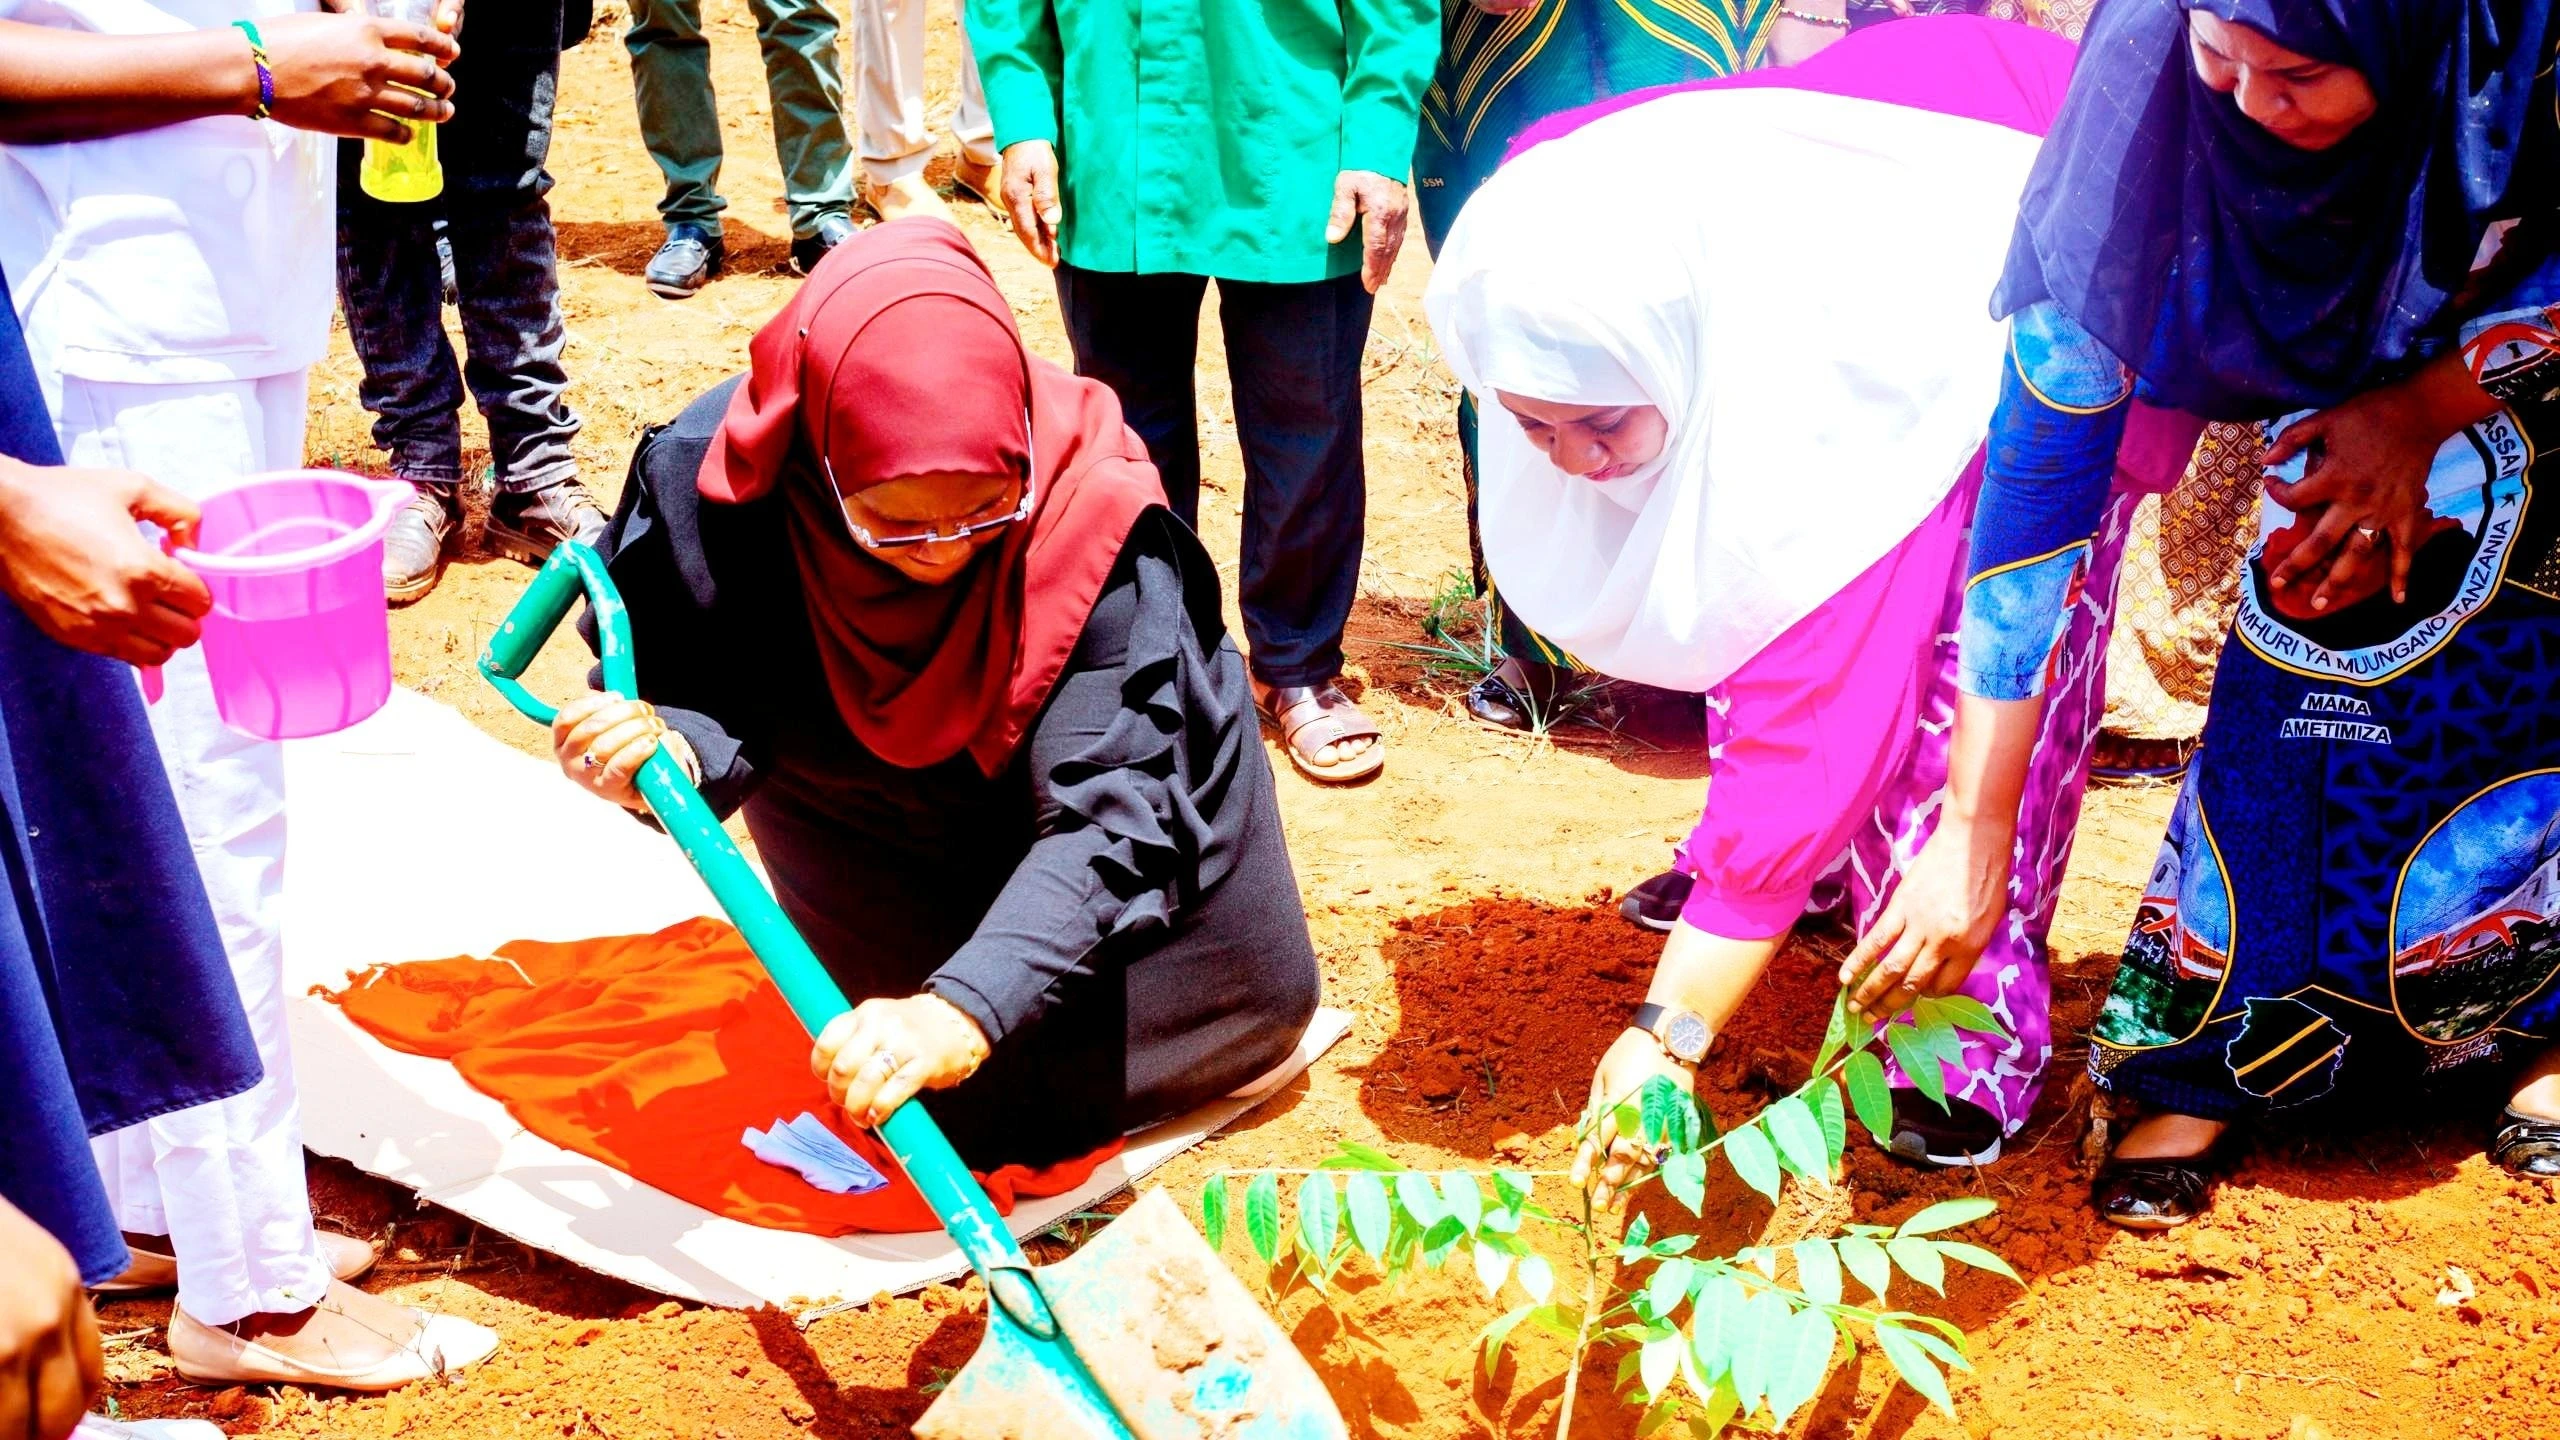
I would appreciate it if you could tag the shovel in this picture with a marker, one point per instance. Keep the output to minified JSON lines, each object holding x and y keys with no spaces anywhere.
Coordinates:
{"x":1143,"y":1334}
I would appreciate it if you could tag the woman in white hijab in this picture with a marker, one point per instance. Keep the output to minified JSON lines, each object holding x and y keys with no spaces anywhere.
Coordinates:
{"x":1729,"y":446}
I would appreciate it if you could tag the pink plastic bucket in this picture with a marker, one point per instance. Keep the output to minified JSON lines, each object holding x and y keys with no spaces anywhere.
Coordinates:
{"x":299,"y":641}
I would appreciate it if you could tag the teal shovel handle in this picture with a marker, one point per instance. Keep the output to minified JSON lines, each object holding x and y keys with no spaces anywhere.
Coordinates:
{"x":575,"y":572}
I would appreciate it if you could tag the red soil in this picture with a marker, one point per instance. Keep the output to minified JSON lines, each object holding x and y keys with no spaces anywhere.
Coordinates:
{"x":1461,"y":904}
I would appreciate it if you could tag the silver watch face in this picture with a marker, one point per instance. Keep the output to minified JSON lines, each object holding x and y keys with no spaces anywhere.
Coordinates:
{"x":1685,"y":1036}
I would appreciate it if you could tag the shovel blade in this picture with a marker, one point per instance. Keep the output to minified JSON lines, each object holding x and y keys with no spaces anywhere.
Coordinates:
{"x":1182,"y":1349}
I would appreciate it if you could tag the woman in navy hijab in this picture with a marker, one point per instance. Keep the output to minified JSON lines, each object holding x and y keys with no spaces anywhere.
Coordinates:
{"x":2303,"y":212}
{"x":116,"y":1002}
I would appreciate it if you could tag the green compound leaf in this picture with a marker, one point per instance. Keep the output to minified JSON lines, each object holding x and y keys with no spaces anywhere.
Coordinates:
{"x":1766,"y":1320}
{"x":1537,"y":1277}
{"x":1754,"y":1159}
{"x":1918,"y":1061}
{"x":1722,"y":1406}
{"x":1631,"y":1249}
{"x":1866,"y":1260}
{"x":1667,"y":1114}
{"x":1668,"y":1287}
{"x":1511,"y":1189}
{"x":1444,"y":1234}
{"x":1835,"y":1033}
{"x":1799,"y":1138}
{"x":1799,"y":1356}
{"x":1262,"y":1216}
{"x":1870,"y":1093}
{"x":1914,"y":1366}
{"x":1833,"y":1117}
{"x":1318,"y":1217}
{"x":1372,"y":1215}
{"x":1494,"y":1335}
{"x":1684,"y":1174}
{"x":1213,"y":1211}
{"x":1420,"y":1203}
{"x":1919,"y":1260}
{"x":1493,"y":1266}
{"x":1715,"y":1324}
{"x":1964,"y":1013}
{"x":1948,"y":1214}
{"x":1949,"y":1355}
{"x":1355,"y":1156}
{"x":1464,"y":1198}
{"x":1818,"y":1271}
{"x":1977,"y":1257}
{"x":1656,"y":1363}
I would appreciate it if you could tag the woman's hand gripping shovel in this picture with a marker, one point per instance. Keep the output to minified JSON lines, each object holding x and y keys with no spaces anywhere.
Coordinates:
{"x":1142,"y":1334}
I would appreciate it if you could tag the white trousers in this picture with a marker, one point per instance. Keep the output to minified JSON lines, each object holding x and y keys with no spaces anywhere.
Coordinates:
{"x":888,"y":92}
{"x":223,"y":1181}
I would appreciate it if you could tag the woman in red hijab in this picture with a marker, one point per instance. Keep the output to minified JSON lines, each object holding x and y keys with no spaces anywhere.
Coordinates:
{"x":912,"y":599}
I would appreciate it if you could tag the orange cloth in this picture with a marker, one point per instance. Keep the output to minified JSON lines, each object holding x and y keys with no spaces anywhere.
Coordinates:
{"x":653,"y":1053}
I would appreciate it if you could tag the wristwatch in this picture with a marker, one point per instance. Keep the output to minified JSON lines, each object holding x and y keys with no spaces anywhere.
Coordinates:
{"x":1683,"y":1036}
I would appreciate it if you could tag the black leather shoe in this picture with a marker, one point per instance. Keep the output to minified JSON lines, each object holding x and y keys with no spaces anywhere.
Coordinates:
{"x":1498,"y":705}
{"x":2526,"y":1146}
{"x":1656,"y":904}
{"x":2158,"y":1192}
{"x":1962,"y":1134}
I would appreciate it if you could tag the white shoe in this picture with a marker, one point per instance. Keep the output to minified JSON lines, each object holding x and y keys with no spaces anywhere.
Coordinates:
{"x":349,"y":1341}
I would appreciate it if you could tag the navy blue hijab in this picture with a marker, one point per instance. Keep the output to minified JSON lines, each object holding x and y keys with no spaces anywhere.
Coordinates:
{"x":2241,"y":277}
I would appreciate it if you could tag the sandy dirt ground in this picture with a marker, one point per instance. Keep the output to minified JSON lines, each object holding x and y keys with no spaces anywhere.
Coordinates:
{"x":1463,"y":906}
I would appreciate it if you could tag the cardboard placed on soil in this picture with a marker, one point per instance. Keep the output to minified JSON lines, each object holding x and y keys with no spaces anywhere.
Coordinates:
{"x":491,"y":845}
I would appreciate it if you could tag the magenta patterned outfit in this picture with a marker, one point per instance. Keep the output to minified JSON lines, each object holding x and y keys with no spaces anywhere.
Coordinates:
{"x":1827,"y":762}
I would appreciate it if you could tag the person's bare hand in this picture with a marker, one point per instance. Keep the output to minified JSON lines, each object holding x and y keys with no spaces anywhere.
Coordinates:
{"x":1031,"y":197}
{"x":448,"y":16}
{"x":601,"y":740}
{"x":876,"y":1057}
{"x":1379,"y":205}
{"x":76,"y":564}
{"x":2366,"y":483}
{"x":1609,"y":1161}
{"x":1793,"y":41}
{"x":1941,"y":918}
{"x":357,"y":76}
{"x":50,"y":1364}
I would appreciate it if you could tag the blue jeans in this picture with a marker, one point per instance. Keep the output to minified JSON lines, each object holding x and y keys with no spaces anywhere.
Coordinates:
{"x":504,"y":260}
{"x":1293,"y":364}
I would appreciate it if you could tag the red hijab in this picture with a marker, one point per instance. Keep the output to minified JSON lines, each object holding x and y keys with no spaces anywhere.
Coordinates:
{"x":899,"y":357}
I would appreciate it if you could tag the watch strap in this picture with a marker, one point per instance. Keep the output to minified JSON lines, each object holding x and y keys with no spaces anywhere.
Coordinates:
{"x":1648,"y":1018}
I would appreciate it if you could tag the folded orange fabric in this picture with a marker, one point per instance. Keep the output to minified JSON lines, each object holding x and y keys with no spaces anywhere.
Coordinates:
{"x":652,"y":1053}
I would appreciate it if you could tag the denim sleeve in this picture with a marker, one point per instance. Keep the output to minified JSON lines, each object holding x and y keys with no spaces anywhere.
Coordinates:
{"x":2048,"y":467}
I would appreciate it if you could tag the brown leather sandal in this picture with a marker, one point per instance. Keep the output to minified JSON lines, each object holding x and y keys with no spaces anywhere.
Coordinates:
{"x":1309,"y":718}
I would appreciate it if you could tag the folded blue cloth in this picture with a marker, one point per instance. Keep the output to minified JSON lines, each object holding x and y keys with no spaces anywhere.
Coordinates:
{"x":822,"y":1159}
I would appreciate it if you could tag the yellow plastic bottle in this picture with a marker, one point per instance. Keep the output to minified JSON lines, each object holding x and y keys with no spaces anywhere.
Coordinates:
{"x":406,"y":170}
{"x":403,"y":171}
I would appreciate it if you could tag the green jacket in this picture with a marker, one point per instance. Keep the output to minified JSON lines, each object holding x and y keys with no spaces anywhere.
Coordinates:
{"x":1203,"y":136}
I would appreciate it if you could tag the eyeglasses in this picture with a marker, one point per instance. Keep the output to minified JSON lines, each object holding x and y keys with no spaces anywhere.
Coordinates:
{"x":864,"y":536}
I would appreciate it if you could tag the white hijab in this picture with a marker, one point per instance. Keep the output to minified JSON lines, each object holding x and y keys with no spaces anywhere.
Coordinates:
{"x":1800,"y":282}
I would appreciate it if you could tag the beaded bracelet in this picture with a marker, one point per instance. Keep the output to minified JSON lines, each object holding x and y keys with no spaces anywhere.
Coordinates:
{"x":1833,"y":22}
{"x":258,"y":57}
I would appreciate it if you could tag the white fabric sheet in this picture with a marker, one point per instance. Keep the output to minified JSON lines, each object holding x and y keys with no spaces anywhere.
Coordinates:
{"x":1811,"y":315}
{"x":511,"y":850}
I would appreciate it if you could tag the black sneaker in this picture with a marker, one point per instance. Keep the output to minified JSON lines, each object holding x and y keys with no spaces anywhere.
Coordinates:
{"x":686,"y":263}
{"x":1656,"y":904}
{"x":807,"y":250}
{"x":1962,"y":1134}
{"x":525,"y":525}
